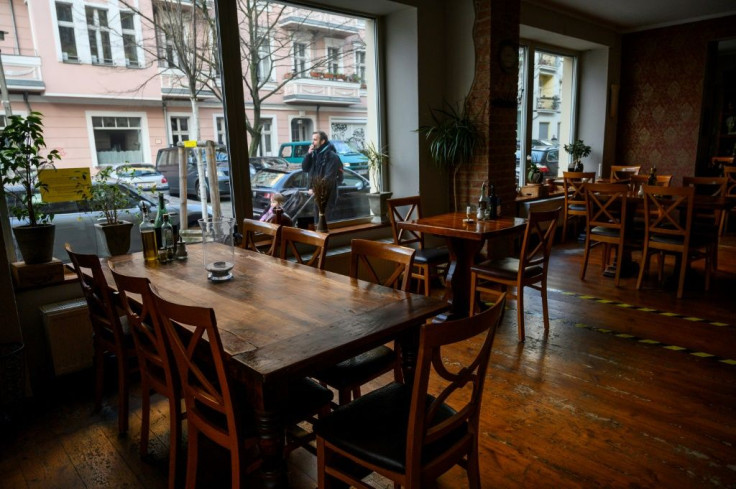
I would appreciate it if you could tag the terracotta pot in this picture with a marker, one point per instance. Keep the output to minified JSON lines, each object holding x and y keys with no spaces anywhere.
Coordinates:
{"x":117,"y":237}
{"x":36,"y":243}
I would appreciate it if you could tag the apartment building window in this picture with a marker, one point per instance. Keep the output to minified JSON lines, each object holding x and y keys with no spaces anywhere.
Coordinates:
{"x":179,"y":129}
{"x":264,"y":72}
{"x":130,"y":44}
{"x":99,"y":35}
{"x":360,"y":65}
{"x":220,"y":128}
{"x":118,"y":139}
{"x":266,"y":135}
{"x":65,"y":22}
{"x":300,"y":58}
{"x":333,"y":60}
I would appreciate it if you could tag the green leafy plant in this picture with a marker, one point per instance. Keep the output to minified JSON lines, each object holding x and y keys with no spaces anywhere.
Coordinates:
{"x":376,"y":158}
{"x":21,"y":159}
{"x":453,"y":136}
{"x":578,"y":150}
{"x":106,"y":196}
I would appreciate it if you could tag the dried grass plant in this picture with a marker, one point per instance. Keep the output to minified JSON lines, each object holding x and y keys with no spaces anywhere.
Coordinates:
{"x":322,"y":187}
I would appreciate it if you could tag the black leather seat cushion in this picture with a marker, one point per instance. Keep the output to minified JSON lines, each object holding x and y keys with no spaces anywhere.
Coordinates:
{"x":306,"y":397}
{"x":374,"y":426}
{"x":576,"y":207}
{"x":432,"y":255}
{"x":359,"y":369}
{"x":603,"y":231}
{"x":505,"y":268}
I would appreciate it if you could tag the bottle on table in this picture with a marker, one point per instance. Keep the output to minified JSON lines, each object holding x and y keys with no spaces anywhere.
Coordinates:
{"x":493,"y":203}
{"x":159,"y":220}
{"x":482,"y":203}
{"x":652,"y":180}
{"x":167,"y":237}
{"x":148,"y":238}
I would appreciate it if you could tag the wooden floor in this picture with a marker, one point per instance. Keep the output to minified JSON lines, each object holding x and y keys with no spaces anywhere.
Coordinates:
{"x":628,"y":389}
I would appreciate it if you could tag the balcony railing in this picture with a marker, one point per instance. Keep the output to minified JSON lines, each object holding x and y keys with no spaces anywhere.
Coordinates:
{"x":23,"y":73}
{"x":321,"y":91}
{"x":548,"y":103}
{"x":325,"y":23}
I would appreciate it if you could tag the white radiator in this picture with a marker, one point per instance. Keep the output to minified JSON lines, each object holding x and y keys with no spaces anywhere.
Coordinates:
{"x":69,"y":335}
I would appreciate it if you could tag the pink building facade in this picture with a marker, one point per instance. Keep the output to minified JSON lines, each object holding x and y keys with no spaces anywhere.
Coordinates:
{"x":92,"y":70}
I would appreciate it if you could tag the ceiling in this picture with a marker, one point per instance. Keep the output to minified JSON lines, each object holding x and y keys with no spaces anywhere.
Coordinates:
{"x":637,"y":15}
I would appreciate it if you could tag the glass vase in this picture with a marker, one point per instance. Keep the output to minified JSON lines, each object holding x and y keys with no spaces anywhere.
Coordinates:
{"x":218,"y":247}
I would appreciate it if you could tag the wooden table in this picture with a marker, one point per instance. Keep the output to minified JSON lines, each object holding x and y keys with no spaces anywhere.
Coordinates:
{"x":464,"y":241}
{"x":280,"y":321}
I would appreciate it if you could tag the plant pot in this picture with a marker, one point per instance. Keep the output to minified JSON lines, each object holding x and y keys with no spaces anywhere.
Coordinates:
{"x":117,"y":237}
{"x":576,"y":166}
{"x":36,"y":243}
{"x":534,"y":176}
{"x":379,"y":207}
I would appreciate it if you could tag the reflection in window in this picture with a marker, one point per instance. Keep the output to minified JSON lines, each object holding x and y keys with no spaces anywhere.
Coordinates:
{"x":99,"y":35}
{"x":68,"y":41}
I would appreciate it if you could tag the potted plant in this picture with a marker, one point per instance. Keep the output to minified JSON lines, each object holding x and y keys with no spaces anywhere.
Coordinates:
{"x":377,"y":198}
{"x":107,"y":197}
{"x":578,"y":150}
{"x":534,"y":174}
{"x":21,"y":160}
{"x":452,"y":138}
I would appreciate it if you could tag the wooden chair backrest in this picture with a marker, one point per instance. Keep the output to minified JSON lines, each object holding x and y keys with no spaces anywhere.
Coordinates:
{"x":101,"y":300}
{"x":405,"y":209}
{"x":574,"y":183}
{"x":195,"y":342}
{"x":252,"y":229}
{"x":154,"y":358}
{"x":715,"y":186}
{"x":730,"y":173}
{"x":606,"y":204}
{"x":539,"y":237}
{"x":669,"y":212}
{"x":623,"y":172}
{"x":366,"y":255}
{"x":316,"y":242}
{"x":460,"y":382}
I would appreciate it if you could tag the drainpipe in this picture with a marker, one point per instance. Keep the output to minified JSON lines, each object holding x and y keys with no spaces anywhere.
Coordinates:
{"x":28,"y":103}
{"x":15,"y":26}
{"x":317,"y":121}
{"x":166,"y":122}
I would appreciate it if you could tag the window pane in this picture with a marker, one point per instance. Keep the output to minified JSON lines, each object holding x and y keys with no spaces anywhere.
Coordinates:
{"x":102,"y":17}
{"x":126,"y":20}
{"x":93,"y":46}
{"x":68,"y":42}
{"x":64,"y":12}
{"x":106,"y":49}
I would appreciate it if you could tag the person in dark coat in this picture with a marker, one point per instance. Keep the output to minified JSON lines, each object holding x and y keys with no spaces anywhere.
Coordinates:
{"x":322,"y":161}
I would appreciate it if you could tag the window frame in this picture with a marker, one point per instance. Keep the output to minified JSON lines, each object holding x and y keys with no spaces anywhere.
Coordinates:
{"x":142,"y":128}
{"x":66,"y":57}
{"x":101,"y":33}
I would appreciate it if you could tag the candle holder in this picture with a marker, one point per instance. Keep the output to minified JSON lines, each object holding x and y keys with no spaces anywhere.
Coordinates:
{"x":218,"y":247}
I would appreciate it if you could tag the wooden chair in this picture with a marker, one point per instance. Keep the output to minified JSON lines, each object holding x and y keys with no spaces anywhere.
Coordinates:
{"x":708,"y":221}
{"x":427,"y":261}
{"x":606,"y":222}
{"x":110,"y":331}
{"x":529,"y":270}
{"x":347,"y":377}
{"x":209,"y":400}
{"x":574,"y":187}
{"x":668,"y":230}
{"x":623,"y":172}
{"x":317,"y":242}
{"x":253,"y":229}
{"x":157,"y":366}
{"x":729,"y":172}
{"x":403,"y":432}
{"x":637,"y":181}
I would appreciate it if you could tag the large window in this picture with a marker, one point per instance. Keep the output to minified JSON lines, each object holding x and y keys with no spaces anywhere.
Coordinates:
{"x":68,"y":41}
{"x":130,"y":44}
{"x":545,"y":117}
{"x":300,"y":58}
{"x":117,"y":139}
{"x":333,"y":60}
{"x":99,"y":35}
{"x":179,"y":129}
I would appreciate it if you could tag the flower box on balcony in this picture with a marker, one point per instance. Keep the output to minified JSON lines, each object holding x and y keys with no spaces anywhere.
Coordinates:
{"x":315,"y":74}
{"x":340,"y":76}
{"x":288,"y":76}
{"x":329,"y":76}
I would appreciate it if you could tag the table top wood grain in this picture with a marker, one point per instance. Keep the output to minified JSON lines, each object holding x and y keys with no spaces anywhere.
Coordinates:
{"x":453,"y":225}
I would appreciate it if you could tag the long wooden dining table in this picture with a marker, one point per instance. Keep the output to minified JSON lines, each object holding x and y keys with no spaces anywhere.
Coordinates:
{"x":464,"y":242}
{"x":280,"y":321}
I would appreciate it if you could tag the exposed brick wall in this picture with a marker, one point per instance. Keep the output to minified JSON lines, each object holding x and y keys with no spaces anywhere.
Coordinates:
{"x":662,"y":94}
{"x":492,"y":98}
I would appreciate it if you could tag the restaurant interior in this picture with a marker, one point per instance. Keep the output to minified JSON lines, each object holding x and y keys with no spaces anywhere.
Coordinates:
{"x":599,"y":375}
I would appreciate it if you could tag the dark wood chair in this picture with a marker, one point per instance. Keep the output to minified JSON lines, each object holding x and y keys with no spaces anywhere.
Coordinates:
{"x":729,"y":172}
{"x":111,"y":334}
{"x":528,"y":270}
{"x":403,"y":432}
{"x":427,"y":261}
{"x":708,"y":221}
{"x":210,"y":403}
{"x":314,"y":241}
{"x":637,"y":181}
{"x":623,"y":172}
{"x":157,"y":366}
{"x":606,"y":223}
{"x":253,"y":230}
{"x":669,"y":230}
{"x":574,"y":188}
{"x":367,"y":257}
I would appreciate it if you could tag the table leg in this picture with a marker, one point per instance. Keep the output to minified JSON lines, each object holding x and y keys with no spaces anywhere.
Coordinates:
{"x":270,"y":428}
{"x":462,"y":256}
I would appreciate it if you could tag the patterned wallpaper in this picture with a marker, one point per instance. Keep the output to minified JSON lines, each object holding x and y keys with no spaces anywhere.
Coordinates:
{"x":661,"y":95}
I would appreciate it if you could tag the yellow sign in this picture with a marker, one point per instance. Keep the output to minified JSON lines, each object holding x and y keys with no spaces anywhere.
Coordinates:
{"x":191,"y":143}
{"x":64,"y":184}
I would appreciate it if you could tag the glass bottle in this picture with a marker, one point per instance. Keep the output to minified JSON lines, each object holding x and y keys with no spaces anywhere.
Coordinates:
{"x":167,"y":237}
{"x":652,"y":176}
{"x":160,"y":217}
{"x":492,"y":203}
{"x":148,"y":238}
{"x":482,"y":201}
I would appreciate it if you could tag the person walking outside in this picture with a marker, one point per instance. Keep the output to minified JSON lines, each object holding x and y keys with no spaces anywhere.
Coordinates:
{"x":322,"y":161}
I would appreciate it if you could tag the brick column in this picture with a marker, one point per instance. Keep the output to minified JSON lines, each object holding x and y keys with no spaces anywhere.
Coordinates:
{"x":492,"y":99}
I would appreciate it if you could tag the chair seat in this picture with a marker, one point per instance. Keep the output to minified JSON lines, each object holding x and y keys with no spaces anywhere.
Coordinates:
{"x":373,"y":427}
{"x":577,"y":207}
{"x":505,"y":268}
{"x":359,"y":369}
{"x":305,"y":398}
{"x":602,"y":231}
{"x":431,"y":255}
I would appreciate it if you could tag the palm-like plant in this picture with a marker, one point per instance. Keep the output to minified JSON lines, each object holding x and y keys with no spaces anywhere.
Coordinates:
{"x":376,"y":157}
{"x":452,"y":137}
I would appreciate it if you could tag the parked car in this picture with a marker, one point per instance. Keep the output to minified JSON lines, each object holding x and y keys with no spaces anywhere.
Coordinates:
{"x":545,"y":157}
{"x":258,"y":163}
{"x":75,"y":223}
{"x":349,"y":155}
{"x":141,"y":176}
{"x":352,"y":200}
{"x":167,"y":162}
